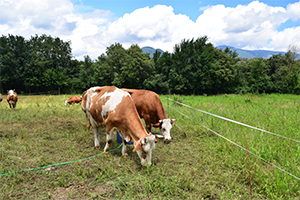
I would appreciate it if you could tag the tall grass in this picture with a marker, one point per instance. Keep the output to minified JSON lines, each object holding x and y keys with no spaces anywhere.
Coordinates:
{"x":197,"y":164}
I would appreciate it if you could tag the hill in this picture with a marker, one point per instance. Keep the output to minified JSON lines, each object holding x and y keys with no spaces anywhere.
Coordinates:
{"x":151,"y":50}
{"x":242,"y":53}
{"x":251,"y":53}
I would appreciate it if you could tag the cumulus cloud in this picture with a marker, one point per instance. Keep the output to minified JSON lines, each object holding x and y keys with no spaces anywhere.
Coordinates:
{"x":294,"y":10}
{"x":252,"y":26}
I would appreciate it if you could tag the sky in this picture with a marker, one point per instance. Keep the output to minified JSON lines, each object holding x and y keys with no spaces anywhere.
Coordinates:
{"x":94,"y":25}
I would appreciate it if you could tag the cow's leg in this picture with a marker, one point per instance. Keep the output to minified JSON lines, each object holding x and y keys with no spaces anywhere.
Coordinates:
{"x":108,"y":140}
{"x":95,"y":130}
{"x":124,"y":149}
{"x":14,"y":105}
{"x":88,"y":124}
{"x":148,"y":123}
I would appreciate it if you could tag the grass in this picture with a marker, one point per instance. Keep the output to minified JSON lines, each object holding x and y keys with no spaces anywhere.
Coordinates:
{"x":197,"y":164}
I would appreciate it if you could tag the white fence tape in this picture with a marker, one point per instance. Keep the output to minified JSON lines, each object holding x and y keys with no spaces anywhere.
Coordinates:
{"x":239,"y":146}
{"x":230,"y":120}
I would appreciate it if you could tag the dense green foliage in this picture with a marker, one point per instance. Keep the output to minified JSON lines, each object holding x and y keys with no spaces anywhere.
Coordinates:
{"x":43,"y":63}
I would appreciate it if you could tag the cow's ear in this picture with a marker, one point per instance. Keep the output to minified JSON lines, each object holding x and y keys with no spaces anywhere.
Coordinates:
{"x":173,"y":120}
{"x":138,"y":146}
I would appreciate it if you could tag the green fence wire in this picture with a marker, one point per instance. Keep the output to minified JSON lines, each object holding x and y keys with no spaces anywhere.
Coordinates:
{"x":58,"y":164}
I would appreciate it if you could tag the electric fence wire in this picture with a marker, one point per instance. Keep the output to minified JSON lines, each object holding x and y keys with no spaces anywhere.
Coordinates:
{"x":239,"y":146}
{"x":240,"y":123}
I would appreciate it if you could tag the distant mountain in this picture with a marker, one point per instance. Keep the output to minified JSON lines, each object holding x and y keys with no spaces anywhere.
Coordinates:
{"x":251,"y":53}
{"x":242,"y":53}
{"x":151,"y":50}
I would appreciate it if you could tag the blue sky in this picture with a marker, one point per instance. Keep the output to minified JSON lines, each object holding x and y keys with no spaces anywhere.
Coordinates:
{"x":190,"y":8}
{"x":94,"y":25}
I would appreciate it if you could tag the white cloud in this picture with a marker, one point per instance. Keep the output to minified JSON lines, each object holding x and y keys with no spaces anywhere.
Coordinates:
{"x":294,"y":10}
{"x":283,"y":39}
{"x":252,"y":26}
{"x":245,"y":26}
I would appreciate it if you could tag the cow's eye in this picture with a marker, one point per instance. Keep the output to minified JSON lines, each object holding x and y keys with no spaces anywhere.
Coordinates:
{"x":163,"y":129}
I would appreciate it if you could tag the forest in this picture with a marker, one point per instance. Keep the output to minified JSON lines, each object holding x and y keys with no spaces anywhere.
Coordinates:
{"x":44,"y":63}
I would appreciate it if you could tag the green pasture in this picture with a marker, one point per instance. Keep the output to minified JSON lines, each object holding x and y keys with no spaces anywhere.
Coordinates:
{"x":197,"y":164}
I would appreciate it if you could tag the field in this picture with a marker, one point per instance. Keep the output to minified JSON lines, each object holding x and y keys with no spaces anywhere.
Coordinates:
{"x":41,"y":138}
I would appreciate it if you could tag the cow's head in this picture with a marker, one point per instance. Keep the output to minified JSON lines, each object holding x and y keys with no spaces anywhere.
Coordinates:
{"x":144,"y":149}
{"x":11,"y":93}
{"x":165,"y":128}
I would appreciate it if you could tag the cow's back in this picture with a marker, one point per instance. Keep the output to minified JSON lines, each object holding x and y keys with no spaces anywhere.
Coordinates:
{"x":148,"y":103}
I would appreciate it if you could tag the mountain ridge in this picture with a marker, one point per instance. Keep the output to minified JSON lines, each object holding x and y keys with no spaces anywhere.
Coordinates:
{"x":251,"y":53}
{"x":242,"y":53}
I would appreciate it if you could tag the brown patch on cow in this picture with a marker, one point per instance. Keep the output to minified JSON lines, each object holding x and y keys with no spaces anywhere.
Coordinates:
{"x":138,"y":146}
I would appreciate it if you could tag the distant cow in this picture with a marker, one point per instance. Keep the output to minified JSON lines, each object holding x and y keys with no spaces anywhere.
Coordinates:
{"x":73,"y":100}
{"x":149,"y":107}
{"x":0,"y":97}
{"x":12,"y":98}
{"x":111,"y":107}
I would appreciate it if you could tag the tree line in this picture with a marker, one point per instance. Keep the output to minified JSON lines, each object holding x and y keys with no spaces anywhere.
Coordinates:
{"x":43,"y":63}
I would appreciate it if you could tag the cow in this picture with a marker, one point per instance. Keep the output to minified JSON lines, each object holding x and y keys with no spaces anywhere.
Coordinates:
{"x":149,"y":107}
{"x":12,"y":98}
{"x":0,"y":97}
{"x":113,"y":108}
{"x":73,"y":100}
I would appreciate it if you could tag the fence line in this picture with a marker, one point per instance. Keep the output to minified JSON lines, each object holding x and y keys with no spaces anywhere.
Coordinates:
{"x":236,"y":122}
{"x":239,"y":146}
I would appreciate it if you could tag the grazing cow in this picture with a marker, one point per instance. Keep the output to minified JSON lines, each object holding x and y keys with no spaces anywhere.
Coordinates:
{"x":112,"y":107}
{"x":12,"y":98}
{"x":73,"y":100}
{"x":149,"y":107}
{"x":0,"y":97}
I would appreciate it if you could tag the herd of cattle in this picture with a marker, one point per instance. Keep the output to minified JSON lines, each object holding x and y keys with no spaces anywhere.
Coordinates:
{"x":121,"y":110}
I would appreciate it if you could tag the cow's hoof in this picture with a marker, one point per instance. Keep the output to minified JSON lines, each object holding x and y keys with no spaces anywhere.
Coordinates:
{"x":125,"y":155}
{"x":96,"y":147}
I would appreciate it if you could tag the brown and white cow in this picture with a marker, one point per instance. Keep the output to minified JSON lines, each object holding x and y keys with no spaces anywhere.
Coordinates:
{"x":149,"y":107}
{"x":73,"y":100}
{"x":112,"y":107}
{"x":12,"y":98}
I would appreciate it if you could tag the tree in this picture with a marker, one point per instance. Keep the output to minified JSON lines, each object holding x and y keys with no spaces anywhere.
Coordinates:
{"x":13,"y":57}
{"x":159,"y":80}
{"x":129,"y":67}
